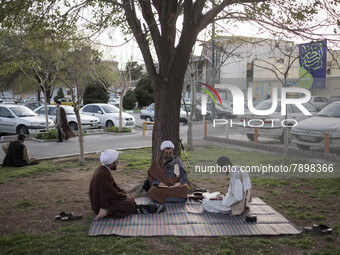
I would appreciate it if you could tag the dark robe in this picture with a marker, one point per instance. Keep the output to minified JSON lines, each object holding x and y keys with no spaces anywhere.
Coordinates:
{"x":64,"y":124}
{"x":106,"y":194}
{"x":15,"y":155}
{"x":160,"y":194}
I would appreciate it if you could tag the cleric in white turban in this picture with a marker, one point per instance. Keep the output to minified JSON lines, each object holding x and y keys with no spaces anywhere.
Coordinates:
{"x":167,"y":145}
{"x":107,"y":198}
{"x":168,"y":171}
{"x":108,"y":157}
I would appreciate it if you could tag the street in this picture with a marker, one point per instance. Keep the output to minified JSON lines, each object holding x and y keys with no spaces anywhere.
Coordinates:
{"x":99,"y":142}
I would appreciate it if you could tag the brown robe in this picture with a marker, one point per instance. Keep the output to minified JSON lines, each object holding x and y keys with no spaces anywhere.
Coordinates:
{"x":64,"y":124}
{"x":105,"y":193}
{"x":157,"y":172}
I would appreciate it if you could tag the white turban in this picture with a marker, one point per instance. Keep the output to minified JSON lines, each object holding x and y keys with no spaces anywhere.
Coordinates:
{"x":108,"y":157}
{"x":167,"y":144}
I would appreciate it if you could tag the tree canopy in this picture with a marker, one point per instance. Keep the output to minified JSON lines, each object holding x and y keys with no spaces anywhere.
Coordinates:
{"x":166,"y":32}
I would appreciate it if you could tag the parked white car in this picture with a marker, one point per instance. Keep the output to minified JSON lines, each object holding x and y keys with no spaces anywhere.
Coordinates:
{"x":319,"y":101}
{"x":108,"y":115}
{"x":16,"y":119}
{"x":87,"y":122}
{"x":311,"y":132}
{"x":272,"y":123}
{"x":7,"y":101}
{"x":114,"y":101}
{"x":148,"y":114}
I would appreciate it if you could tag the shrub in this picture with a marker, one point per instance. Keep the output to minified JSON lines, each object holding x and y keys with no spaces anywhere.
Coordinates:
{"x":144,"y":92}
{"x":51,"y":134}
{"x":95,"y":93}
{"x":60,"y":94}
{"x":129,"y":100}
{"x":116,"y":130}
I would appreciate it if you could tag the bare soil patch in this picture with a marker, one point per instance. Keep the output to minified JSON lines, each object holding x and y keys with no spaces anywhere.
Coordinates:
{"x":31,"y":203}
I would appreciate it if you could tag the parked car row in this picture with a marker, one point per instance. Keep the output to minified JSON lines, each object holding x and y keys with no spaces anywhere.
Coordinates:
{"x":15,"y":119}
{"x":87,"y":122}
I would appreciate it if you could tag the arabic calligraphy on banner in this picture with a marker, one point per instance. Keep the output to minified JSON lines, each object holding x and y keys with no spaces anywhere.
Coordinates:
{"x":312,"y":68}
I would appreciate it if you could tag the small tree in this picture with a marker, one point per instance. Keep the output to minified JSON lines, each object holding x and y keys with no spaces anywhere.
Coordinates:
{"x":144,"y":92}
{"x":95,"y":93}
{"x":60,"y":94}
{"x":129,"y":100}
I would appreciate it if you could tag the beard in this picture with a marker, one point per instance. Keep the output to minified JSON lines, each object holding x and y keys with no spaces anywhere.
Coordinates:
{"x":114,"y":167}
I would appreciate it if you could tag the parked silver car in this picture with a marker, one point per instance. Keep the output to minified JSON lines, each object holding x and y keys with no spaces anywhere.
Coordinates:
{"x":272,"y":123}
{"x":148,"y":114}
{"x":319,"y":101}
{"x":16,"y":119}
{"x":114,"y":101}
{"x":108,"y":115}
{"x":87,"y":122}
{"x":311,"y":132}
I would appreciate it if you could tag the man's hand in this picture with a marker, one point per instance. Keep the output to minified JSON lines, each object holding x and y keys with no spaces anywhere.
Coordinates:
{"x":131,"y":197}
{"x":177,"y":184}
{"x":162,"y":184}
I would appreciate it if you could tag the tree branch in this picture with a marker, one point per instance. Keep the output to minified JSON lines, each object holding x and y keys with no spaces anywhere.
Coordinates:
{"x":136,"y":28}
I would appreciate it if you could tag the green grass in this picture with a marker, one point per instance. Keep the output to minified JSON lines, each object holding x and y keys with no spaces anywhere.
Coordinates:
{"x":74,"y":240}
{"x":208,"y":155}
{"x":62,"y":200}
{"x":11,"y":173}
{"x":70,"y":240}
{"x":24,"y":203}
{"x":136,"y":159}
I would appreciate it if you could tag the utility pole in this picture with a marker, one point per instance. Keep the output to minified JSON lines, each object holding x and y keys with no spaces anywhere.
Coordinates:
{"x":213,"y":110}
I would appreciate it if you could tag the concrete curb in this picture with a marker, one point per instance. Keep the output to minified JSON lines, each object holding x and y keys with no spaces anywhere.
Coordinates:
{"x":93,"y":152}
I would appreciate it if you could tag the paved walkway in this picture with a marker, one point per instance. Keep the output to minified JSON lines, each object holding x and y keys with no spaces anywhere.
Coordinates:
{"x":92,"y":144}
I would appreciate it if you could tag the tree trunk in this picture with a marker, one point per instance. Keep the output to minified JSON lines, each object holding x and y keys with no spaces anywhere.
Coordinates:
{"x":120,"y":112}
{"x":80,"y":138}
{"x":47,"y":94}
{"x":189,"y":134}
{"x":167,"y":114}
{"x":46,"y":114}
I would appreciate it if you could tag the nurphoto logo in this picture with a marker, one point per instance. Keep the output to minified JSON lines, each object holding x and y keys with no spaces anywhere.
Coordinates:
{"x":238,"y":104}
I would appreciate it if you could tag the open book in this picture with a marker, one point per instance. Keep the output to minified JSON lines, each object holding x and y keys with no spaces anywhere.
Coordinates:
{"x":167,"y":187}
{"x":208,"y":195}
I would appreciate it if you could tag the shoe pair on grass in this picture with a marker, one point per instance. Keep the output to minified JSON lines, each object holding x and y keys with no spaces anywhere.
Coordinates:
{"x":65,"y":216}
{"x":321,"y":229}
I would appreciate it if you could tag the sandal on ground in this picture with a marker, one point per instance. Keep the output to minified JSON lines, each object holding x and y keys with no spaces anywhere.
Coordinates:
{"x":321,"y":228}
{"x":150,"y":208}
{"x":72,"y":216}
{"x":60,"y":215}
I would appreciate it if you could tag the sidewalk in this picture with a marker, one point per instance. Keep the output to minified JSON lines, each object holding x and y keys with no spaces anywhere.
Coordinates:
{"x":92,"y":144}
